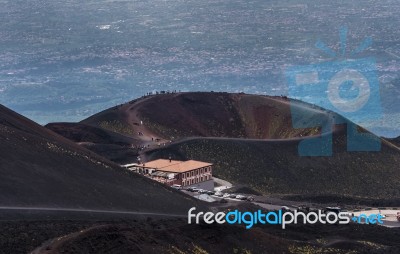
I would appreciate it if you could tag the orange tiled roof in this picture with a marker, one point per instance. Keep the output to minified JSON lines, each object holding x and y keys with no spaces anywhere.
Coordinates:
{"x":157,"y":164}
{"x":175,"y":166}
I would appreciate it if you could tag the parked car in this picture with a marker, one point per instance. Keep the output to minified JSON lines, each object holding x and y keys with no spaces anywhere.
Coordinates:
{"x":192,"y":189}
{"x":347,"y":213}
{"x":241,"y":197}
{"x":201,"y":191}
{"x":218,"y":194}
{"x":177,"y":186}
{"x":250,"y":198}
{"x":210,"y":192}
{"x":304,"y":209}
{"x":227,"y":195}
{"x":335,"y":210}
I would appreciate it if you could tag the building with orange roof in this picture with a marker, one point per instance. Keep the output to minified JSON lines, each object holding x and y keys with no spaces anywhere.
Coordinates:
{"x":185,"y":173}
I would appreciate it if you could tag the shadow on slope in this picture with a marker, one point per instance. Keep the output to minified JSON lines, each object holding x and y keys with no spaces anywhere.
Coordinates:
{"x":42,"y":169}
{"x":108,"y":144}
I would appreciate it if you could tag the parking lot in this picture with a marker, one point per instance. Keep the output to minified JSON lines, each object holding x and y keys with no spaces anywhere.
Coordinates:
{"x":216,"y":196}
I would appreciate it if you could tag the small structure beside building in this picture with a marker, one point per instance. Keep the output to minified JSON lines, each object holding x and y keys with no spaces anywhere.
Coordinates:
{"x":189,"y":173}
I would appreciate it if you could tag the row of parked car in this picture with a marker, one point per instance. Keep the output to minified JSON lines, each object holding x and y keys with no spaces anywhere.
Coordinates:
{"x":214,"y":193}
{"x":236,"y":196}
{"x":220,"y":194}
{"x":200,"y":191}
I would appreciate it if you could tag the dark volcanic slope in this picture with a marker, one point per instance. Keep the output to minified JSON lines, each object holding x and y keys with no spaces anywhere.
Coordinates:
{"x":111,"y":145}
{"x":88,"y":134}
{"x":267,"y":159}
{"x":275,"y":167}
{"x":119,"y":133}
{"x":173,"y":116}
{"x":177,"y":237}
{"x":41,"y":169}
